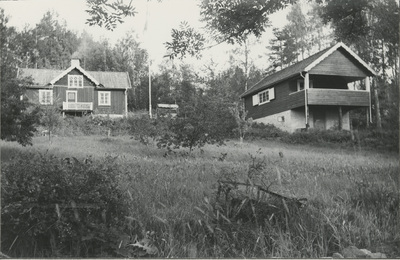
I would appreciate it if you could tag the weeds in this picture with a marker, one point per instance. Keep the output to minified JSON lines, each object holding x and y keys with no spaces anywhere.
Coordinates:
{"x":168,"y":207}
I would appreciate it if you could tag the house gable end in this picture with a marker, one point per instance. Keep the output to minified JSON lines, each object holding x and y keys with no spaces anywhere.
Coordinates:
{"x":340,"y":63}
{"x":63,"y":81}
{"x":67,"y":71}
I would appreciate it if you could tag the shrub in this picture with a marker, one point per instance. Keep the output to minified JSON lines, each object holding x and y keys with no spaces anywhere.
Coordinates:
{"x":53,"y":207}
{"x":265,"y":131}
{"x":145,"y":129}
{"x":315,"y":136}
{"x":87,"y":125}
{"x":381,"y":140}
{"x":188,"y":133}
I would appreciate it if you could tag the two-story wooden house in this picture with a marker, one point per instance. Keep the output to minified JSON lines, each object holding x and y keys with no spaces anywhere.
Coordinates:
{"x":316,"y":92}
{"x":77,"y":91}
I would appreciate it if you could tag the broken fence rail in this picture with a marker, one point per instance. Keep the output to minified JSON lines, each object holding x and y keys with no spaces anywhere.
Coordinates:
{"x":300,"y":202}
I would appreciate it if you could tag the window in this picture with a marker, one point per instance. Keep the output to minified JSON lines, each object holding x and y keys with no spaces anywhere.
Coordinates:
{"x":104,"y":98}
{"x":75,"y":81}
{"x":264,"y":97}
{"x":300,"y":84}
{"x":45,"y":97}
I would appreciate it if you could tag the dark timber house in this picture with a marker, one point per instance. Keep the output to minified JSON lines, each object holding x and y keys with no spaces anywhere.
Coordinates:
{"x":317,"y":92}
{"x":77,"y":91}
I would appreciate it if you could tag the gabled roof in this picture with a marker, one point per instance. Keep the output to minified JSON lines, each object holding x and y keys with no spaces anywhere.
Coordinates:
{"x":303,"y":66}
{"x":41,"y":77}
{"x":65,"y":72}
{"x":111,"y":79}
{"x":102,"y":79}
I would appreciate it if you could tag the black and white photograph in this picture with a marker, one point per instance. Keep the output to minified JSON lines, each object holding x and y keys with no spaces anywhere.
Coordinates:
{"x":199,"y":129}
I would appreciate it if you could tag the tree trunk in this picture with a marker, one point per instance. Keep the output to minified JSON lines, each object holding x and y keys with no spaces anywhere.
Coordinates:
{"x":377,"y":109}
{"x":246,"y":64}
{"x":340,"y":118}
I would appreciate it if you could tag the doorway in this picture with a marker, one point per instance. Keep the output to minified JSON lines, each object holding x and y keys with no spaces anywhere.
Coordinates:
{"x":72,"y":96}
{"x":319,"y":119}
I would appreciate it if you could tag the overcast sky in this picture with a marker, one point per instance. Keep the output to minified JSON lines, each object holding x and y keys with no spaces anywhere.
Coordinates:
{"x":162,"y":17}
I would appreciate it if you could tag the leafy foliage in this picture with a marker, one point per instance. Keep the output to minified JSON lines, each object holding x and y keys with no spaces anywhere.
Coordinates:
{"x":108,"y":13}
{"x":235,"y":21}
{"x":265,"y":131}
{"x":227,"y":21}
{"x":18,"y":117}
{"x":185,"y":41}
{"x":145,"y":130}
{"x":56,"y":207}
{"x":371,"y":26}
{"x":51,"y":118}
{"x":204,"y":122}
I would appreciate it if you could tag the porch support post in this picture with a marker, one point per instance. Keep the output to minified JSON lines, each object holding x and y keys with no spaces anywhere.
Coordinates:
{"x":368,"y":88}
{"x":126,"y":102}
{"x":340,"y":118}
{"x":306,"y":87}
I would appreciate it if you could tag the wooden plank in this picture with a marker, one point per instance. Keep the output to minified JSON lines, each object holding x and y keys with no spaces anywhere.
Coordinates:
{"x":285,"y":99}
{"x":64,"y":80}
{"x":117,"y":102}
{"x":340,"y":63}
{"x":338,"y":97}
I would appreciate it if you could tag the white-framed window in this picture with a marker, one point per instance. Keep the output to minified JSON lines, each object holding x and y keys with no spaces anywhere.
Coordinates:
{"x":104,"y":98}
{"x":46,"y":96}
{"x":75,"y":81}
{"x":300,"y":84}
{"x":264,"y":96}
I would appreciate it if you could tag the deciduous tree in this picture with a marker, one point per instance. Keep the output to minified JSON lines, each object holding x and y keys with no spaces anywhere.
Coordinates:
{"x":226,"y":21}
{"x":372,"y":27}
{"x":18,"y":117}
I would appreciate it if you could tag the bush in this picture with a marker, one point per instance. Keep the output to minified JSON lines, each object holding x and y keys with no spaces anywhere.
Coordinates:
{"x":315,"y":136}
{"x":380,"y":140}
{"x":53,"y":207}
{"x":268,"y":131}
{"x":87,"y":125}
{"x":366,"y":139}
{"x":145,"y":129}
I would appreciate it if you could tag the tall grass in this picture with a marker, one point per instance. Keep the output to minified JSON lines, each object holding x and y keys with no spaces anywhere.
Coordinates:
{"x":171,"y":199}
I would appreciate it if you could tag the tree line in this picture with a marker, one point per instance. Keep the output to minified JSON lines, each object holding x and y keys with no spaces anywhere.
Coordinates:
{"x":370,"y":27}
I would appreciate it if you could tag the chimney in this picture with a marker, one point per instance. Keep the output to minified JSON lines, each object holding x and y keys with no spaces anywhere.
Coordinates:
{"x":75,"y":62}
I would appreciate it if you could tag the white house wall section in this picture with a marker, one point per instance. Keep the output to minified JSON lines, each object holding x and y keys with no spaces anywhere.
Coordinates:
{"x":288,"y":120}
{"x":294,"y":119}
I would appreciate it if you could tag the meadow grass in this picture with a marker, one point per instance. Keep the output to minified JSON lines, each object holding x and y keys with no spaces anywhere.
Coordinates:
{"x":352,"y":195}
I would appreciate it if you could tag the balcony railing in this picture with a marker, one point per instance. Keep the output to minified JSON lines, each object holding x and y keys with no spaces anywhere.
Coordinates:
{"x":338,"y":97}
{"x":77,"y":106}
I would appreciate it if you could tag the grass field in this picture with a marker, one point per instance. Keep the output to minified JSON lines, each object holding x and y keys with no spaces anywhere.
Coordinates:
{"x":352,"y":195}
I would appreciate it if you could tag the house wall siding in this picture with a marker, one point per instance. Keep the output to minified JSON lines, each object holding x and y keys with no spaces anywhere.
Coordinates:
{"x":117,"y":102}
{"x":64,"y":80}
{"x":85,"y":94}
{"x":340,"y":63}
{"x":284,"y":100}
